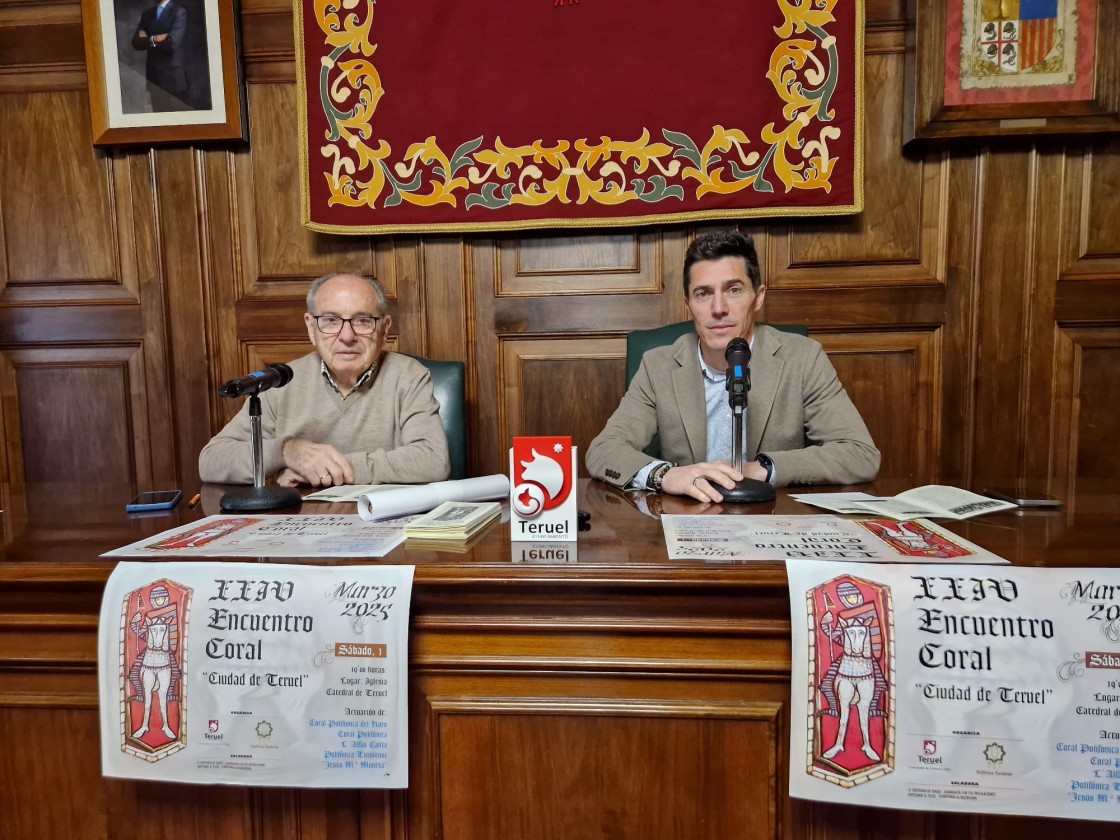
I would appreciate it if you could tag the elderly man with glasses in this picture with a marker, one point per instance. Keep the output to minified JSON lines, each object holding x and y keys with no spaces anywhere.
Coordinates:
{"x":352,"y":414}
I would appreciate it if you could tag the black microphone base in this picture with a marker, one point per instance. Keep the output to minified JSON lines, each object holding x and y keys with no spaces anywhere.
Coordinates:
{"x":748,"y":491}
{"x":261,"y":498}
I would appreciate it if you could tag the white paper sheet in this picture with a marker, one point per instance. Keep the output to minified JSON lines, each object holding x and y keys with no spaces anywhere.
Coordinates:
{"x":349,"y":492}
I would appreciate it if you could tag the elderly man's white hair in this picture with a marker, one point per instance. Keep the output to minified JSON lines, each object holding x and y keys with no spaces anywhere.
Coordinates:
{"x":319,"y":281}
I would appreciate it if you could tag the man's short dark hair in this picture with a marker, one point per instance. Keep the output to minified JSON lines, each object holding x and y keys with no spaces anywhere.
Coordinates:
{"x":715,"y":246}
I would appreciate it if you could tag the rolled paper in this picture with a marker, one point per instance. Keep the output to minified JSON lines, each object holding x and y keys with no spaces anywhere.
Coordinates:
{"x":388,"y":504}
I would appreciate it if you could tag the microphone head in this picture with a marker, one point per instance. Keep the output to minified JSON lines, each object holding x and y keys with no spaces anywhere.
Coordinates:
{"x":284,"y":374}
{"x":737,"y":345}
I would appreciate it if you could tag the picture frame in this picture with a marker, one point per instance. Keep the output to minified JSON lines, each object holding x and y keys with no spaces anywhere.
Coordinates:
{"x":1073,"y":88}
{"x":180,"y":82}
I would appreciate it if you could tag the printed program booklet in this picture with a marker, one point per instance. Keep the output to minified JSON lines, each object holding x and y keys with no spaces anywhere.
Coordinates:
{"x":453,"y":521}
{"x":934,"y":501}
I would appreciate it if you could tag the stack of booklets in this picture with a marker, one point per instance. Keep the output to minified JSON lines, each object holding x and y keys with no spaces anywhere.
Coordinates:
{"x":453,"y":521}
{"x":934,"y":501}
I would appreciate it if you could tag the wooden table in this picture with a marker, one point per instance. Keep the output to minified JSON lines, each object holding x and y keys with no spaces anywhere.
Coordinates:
{"x":591,"y":691}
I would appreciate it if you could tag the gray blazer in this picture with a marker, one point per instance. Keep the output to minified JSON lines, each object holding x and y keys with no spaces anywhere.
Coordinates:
{"x":798,"y":413}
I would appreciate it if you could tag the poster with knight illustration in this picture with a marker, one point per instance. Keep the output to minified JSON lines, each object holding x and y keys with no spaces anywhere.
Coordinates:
{"x":956,"y":687}
{"x":153,"y":702}
{"x":255,"y":674}
{"x":851,"y":695}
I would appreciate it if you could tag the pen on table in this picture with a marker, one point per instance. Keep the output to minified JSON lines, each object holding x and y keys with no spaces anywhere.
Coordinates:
{"x":197,"y":498}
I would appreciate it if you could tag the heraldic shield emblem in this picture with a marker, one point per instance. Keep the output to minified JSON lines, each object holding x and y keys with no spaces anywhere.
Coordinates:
{"x":851,"y":715}
{"x":153,"y":627}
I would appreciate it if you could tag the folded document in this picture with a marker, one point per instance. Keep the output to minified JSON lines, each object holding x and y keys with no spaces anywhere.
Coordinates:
{"x":934,"y":501}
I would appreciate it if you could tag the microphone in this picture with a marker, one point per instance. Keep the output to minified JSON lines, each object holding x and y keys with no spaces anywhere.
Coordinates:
{"x":273,"y":376}
{"x":738,"y":355}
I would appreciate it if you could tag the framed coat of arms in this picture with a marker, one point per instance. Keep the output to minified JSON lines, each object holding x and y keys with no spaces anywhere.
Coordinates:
{"x":988,"y":68}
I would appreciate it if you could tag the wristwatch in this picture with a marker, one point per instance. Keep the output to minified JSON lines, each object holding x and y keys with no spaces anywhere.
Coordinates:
{"x":768,"y":463}
{"x":657,"y":474}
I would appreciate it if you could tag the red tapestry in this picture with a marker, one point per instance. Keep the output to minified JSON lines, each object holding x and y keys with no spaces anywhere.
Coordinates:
{"x":430,"y":115}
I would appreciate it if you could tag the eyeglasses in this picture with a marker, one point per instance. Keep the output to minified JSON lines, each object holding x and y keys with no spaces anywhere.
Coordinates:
{"x":360,"y":324}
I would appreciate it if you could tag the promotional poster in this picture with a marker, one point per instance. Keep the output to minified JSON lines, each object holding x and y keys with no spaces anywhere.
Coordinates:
{"x":255,"y":674}
{"x":743,"y":539}
{"x":990,"y":689}
{"x":272,"y":535}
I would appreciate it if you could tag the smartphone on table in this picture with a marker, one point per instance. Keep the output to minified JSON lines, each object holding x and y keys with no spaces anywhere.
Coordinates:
{"x":154,"y":500}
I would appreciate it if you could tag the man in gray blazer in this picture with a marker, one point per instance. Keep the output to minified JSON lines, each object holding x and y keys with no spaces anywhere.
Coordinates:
{"x":802,"y":427}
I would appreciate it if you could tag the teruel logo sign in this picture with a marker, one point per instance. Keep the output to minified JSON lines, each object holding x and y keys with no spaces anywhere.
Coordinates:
{"x":542,"y":478}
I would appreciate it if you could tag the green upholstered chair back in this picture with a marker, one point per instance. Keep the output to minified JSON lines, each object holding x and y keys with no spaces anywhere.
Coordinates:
{"x":449,"y":380}
{"x":640,"y":341}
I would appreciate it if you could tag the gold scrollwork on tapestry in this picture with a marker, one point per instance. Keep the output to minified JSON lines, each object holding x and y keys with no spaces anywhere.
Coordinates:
{"x":803,"y":70}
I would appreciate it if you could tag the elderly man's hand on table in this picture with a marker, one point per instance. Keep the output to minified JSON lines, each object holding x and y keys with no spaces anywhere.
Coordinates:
{"x":317,"y":464}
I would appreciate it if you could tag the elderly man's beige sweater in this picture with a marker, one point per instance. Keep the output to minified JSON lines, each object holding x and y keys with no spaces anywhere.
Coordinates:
{"x":388,"y":428}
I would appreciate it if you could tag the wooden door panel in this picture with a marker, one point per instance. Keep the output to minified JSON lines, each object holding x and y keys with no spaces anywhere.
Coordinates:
{"x":588,"y":264}
{"x":56,"y":192}
{"x":559,"y":386}
{"x":892,"y":378}
{"x":82,"y":415}
{"x":604,"y":768}
{"x":1087,"y":463}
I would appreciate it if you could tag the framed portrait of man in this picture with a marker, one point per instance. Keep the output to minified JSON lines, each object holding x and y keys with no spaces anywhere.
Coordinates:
{"x":163,"y":71}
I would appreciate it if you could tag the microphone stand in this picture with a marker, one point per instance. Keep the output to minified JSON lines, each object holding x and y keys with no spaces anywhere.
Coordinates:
{"x":749,"y":490}
{"x":259,"y":497}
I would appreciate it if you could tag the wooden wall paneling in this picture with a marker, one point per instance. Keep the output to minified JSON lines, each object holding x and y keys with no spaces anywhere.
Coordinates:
{"x":195,"y":223}
{"x":559,"y":386}
{"x":554,"y":281}
{"x":41,"y":47}
{"x":268,"y":40}
{"x":560,"y":264}
{"x":1085,"y":319}
{"x":223,"y":207}
{"x":511,"y":299}
{"x":399,"y":266}
{"x":1055,"y":226}
{"x":52,"y":771}
{"x":898,"y":239}
{"x":327,"y":814}
{"x":162,"y":809}
{"x":1030,"y":828}
{"x":486,"y":448}
{"x":961,"y":318}
{"x":11,"y":455}
{"x":55,"y":193}
{"x":368,"y":814}
{"x":892,"y":378}
{"x":79,"y":413}
{"x":1086,"y":428}
{"x":825,"y":821}
{"x":448,"y":326}
{"x":1006,"y":209}
{"x":165,"y":261}
{"x":444,"y":265}
{"x":278,"y":253}
{"x":1092,"y":242}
